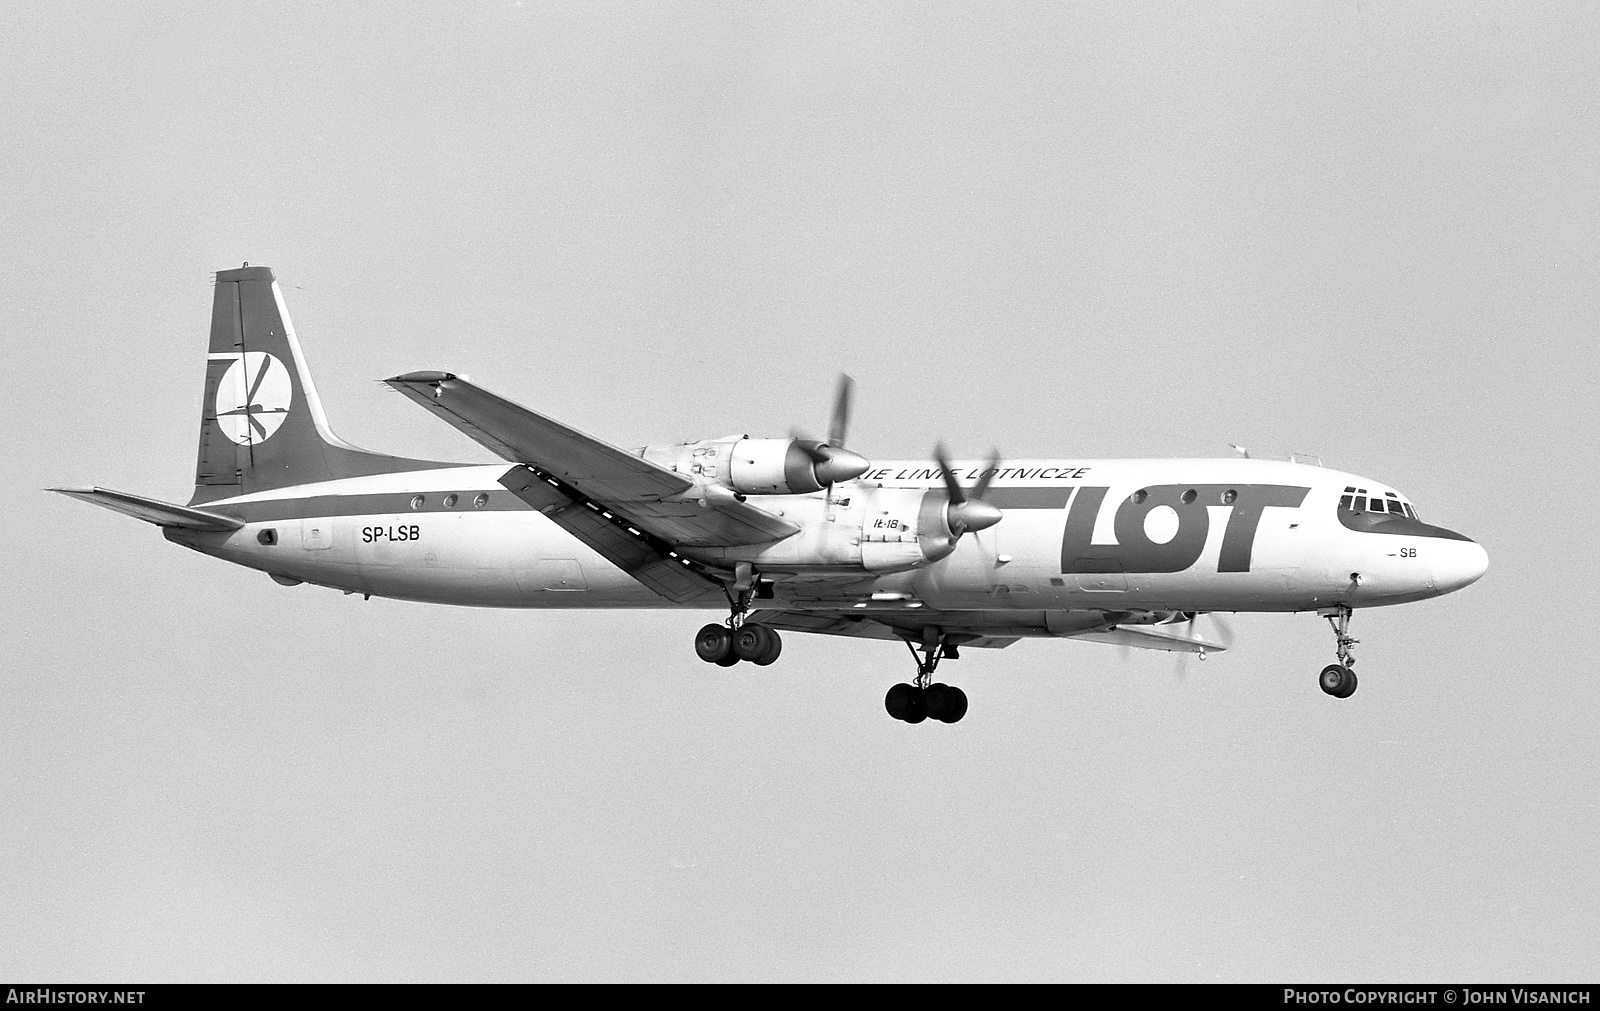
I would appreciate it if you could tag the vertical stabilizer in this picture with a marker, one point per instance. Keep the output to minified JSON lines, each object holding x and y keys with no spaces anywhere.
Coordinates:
{"x":261,"y":424}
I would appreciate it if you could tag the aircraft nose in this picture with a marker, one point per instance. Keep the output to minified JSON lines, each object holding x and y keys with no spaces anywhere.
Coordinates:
{"x":1458,"y":563}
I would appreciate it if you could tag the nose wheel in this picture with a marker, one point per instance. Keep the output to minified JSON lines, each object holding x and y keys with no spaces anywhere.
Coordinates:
{"x":1340,"y":682}
{"x":924,"y":698}
{"x":1339,"y":679}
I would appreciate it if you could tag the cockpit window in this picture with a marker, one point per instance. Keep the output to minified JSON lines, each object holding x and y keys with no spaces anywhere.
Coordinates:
{"x":1386,"y":502}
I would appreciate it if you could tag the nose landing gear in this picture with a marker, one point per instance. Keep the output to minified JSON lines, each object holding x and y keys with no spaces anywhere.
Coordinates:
{"x":1339,"y":679}
{"x":924,"y":698}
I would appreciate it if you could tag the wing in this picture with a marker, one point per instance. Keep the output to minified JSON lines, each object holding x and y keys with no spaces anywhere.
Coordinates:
{"x":666,"y":504}
{"x":162,"y":514}
{"x":1165,"y":637}
{"x":863,"y":627}
{"x":983,"y":629}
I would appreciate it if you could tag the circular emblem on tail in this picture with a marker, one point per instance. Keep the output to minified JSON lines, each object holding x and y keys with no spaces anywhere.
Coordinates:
{"x":253,"y":397}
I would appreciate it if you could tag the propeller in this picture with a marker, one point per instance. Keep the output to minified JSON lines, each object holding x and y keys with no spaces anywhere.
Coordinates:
{"x":1223,"y":634}
{"x":968,"y":512}
{"x":830,"y":461}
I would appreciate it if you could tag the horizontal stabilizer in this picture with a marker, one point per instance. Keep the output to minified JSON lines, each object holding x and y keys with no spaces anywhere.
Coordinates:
{"x":162,"y":514}
{"x":1170,"y":637}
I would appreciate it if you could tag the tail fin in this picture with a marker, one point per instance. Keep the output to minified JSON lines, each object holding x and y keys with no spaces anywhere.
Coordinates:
{"x":261,"y":425}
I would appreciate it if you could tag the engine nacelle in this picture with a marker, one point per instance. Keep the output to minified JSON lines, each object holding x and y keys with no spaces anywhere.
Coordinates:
{"x":905,"y":528}
{"x":761,"y":466}
{"x":879,"y":530}
{"x":772,"y":467}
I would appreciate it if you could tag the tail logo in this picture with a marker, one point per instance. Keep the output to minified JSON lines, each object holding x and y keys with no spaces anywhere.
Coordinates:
{"x":253,"y":397}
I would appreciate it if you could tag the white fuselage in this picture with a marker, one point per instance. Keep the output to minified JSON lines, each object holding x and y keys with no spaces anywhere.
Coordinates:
{"x":1091,"y":534}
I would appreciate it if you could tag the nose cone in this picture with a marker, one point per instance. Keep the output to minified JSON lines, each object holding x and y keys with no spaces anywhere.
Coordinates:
{"x":972,"y":515}
{"x":840,"y":465}
{"x":1457,"y":563}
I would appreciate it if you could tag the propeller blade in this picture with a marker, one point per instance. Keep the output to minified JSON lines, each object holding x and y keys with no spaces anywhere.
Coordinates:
{"x":1181,"y":668}
{"x":1224,"y":629}
{"x":840,"y":422}
{"x":957,"y":496}
{"x":809,"y":446}
{"x":990,"y":469}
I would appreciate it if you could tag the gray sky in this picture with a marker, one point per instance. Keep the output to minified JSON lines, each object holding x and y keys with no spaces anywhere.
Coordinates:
{"x":1364,"y":230}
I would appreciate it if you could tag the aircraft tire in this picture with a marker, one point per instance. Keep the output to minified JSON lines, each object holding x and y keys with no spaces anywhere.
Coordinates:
{"x":730,"y":660}
{"x":1331,"y":680}
{"x":1340,"y":682}
{"x":773,"y":650}
{"x":752,"y":641}
{"x":941,"y":702}
{"x":714,"y":643}
{"x":959,"y":708}
{"x":898,"y":702}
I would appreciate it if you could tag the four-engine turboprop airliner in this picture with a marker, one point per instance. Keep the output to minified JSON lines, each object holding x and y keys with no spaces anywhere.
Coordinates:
{"x":792,"y":534}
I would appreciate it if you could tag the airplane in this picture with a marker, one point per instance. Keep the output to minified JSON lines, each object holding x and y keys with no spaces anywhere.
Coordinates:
{"x":783,"y":534}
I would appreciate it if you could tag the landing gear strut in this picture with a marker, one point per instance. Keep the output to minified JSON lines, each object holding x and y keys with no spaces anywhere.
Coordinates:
{"x":738,"y":639}
{"x":925,"y":698}
{"x":1339,"y":679}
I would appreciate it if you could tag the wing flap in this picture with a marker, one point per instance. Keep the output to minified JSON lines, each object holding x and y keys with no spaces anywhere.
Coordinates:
{"x":162,"y":514}
{"x":637,"y":555}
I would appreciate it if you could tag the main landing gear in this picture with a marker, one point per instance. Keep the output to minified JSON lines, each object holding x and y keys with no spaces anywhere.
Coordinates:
{"x":924,"y":698}
{"x":1339,"y":679}
{"x":726,"y":645}
{"x":738,"y":639}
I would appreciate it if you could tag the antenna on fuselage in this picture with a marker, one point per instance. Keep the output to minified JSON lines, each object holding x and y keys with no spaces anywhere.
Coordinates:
{"x":1242,"y":451}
